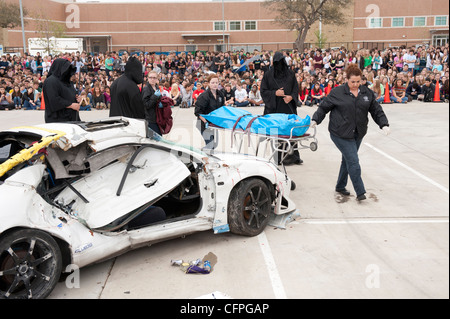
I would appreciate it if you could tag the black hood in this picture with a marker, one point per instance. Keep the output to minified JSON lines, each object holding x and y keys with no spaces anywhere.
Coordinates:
{"x":280,"y":66}
{"x":62,"y":69}
{"x":278,"y":56}
{"x":133,"y":70}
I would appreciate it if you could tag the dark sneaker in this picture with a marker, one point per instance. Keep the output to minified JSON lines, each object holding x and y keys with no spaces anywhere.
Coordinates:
{"x":343,"y":191}
{"x":361,"y":197}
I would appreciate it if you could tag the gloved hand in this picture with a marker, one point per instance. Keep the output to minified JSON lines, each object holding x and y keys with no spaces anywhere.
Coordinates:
{"x":313,"y":124}
{"x":386,"y":130}
{"x":160,"y":105}
{"x":158,"y":93}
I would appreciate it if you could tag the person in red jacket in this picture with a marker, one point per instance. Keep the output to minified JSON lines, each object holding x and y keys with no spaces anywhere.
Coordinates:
{"x":316,"y":94}
{"x":329,"y":87}
{"x":303,"y":95}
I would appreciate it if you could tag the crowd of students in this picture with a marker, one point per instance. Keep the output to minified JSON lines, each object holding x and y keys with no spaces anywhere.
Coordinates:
{"x":408,"y":73}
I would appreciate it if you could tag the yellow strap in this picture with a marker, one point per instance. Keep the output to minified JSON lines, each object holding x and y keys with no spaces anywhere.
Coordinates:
{"x":28,"y":153}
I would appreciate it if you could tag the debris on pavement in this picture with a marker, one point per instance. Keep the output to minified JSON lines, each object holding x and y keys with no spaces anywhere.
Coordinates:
{"x":198,"y":266}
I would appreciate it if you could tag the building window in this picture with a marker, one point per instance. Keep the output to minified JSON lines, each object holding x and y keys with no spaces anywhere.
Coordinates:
{"x":219,"y":26}
{"x":398,"y":22}
{"x":235,"y":25}
{"x":440,"y":20}
{"x":420,"y":21}
{"x":376,"y":23}
{"x":440,"y":40}
{"x":191,"y":47}
{"x":250,"y":25}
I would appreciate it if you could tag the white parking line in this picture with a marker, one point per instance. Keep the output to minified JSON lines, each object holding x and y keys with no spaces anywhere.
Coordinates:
{"x":429,"y":180}
{"x":431,"y":220}
{"x":277,"y":284}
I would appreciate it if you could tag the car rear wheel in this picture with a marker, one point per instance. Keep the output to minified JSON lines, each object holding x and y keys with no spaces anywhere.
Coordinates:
{"x":249,"y":207}
{"x":30,"y":264}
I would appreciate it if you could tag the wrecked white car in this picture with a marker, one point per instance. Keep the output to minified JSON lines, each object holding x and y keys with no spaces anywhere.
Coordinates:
{"x":73,"y":193}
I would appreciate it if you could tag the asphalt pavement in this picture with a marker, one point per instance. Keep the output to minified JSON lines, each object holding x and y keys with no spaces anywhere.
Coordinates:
{"x":395,"y":244}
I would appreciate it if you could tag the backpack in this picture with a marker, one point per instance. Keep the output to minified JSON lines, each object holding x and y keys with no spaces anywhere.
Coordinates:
{"x":164,"y":115}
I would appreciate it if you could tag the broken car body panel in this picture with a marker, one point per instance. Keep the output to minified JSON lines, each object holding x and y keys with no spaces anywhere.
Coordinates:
{"x":91,"y":178}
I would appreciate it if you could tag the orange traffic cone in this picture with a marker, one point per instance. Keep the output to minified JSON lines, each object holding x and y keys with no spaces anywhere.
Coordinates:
{"x":437,"y":93}
{"x":42,"y":101}
{"x":387,"y":95}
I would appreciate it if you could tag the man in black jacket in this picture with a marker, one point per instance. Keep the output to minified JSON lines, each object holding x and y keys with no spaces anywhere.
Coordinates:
{"x":59,"y":95}
{"x":126,"y":98}
{"x":350,"y":105}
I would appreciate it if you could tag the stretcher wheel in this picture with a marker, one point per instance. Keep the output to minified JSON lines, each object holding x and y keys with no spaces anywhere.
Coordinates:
{"x":313,"y":146}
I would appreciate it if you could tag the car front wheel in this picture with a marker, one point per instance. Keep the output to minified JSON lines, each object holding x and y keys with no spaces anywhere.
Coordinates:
{"x":30,"y":264}
{"x":249,"y":207}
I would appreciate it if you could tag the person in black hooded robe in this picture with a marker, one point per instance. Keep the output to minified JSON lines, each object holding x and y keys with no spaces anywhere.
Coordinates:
{"x":126,"y":98}
{"x":60,"y":96}
{"x":279,"y":90}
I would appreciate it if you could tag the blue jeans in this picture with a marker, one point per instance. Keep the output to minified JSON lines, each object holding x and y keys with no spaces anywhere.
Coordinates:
{"x":349,"y":164}
{"x":211,"y":141}
{"x":241,"y":104}
{"x":17,"y":101}
{"x":29,"y":105}
{"x":404,"y":99}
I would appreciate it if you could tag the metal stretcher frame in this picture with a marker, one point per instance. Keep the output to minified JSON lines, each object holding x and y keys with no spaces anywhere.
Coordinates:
{"x":284,"y":145}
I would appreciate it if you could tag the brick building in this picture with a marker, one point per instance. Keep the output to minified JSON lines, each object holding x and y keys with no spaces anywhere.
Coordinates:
{"x":393,"y":23}
{"x":215,"y":25}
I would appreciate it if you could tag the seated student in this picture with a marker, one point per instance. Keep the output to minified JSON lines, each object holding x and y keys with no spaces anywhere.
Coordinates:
{"x":37,"y":100}
{"x":107,"y":94}
{"x":6,"y":102}
{"x":229,"y":94}
{"x":85,"y":102}
{"x":175,"y":94}
{"x":98,"y":99}
{"x":378,"y":89}
{"x":330,"y":85}
{"x":427,"y":91}
{"x":399,"y":92}
{"x":17,"y":97}
{"x":28,"y":99}
{"x":254,"y":96}
{"x":240,"y":96}
{"x":186,"y":95}
{"x":303,"y":95}
{"x":316,"y":94}
{"x":199,"y":90}
{"x":413,"y":91}
{"x":364,"y":82}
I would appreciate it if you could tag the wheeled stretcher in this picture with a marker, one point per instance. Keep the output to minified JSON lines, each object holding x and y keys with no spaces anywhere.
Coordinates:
{"x":270,"y":136}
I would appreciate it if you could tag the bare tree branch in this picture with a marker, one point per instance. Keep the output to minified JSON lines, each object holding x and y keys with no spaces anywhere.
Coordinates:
{"x":300,"y":15}
{"x":10,"y":15}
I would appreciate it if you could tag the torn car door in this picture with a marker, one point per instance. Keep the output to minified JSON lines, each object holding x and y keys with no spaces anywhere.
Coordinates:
{"x":115,"y":190}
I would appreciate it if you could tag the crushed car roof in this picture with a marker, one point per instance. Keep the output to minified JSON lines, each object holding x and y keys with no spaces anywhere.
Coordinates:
{"x":100,"y":134}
